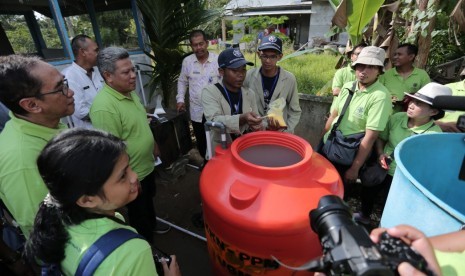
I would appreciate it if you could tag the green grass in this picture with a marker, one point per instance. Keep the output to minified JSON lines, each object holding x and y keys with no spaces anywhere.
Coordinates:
{"x":314,"y":72}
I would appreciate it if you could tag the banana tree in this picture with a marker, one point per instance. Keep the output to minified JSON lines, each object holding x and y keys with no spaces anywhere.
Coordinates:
{"x":168,"y":24}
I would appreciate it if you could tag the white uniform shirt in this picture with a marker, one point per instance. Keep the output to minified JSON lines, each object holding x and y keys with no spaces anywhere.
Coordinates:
{"x":195,"y":76}
{"x":85,"y":89}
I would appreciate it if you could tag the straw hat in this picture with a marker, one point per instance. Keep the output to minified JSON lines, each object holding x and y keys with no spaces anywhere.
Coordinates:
{"x":430,"y":91}
{"x":371,"y":55}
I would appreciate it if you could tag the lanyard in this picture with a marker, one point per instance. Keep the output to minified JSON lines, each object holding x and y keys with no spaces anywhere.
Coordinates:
{"x":234,"y":107}
{"x":268,"y":94}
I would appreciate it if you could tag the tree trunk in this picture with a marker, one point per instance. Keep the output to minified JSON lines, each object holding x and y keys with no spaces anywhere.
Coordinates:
{"x":424,"y":43}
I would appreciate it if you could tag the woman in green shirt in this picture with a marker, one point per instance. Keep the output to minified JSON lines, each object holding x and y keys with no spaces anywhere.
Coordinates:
{"x":88,"y":176}
{"x":418,"y":119}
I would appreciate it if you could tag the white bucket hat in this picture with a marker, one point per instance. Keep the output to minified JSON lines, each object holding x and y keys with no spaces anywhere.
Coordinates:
{"x":371,"y":55}
{"x":430,"y":91}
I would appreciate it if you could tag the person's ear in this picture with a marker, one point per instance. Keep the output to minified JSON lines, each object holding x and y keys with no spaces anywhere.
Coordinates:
{"x":433,"y":112}
{"x":30,"y":105}
{"x":89,"y":202}
{"x":221,"y":71}
{"x":107,"y":76}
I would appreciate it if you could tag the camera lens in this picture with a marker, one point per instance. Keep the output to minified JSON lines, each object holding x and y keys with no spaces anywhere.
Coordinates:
{"x":331,"y":213}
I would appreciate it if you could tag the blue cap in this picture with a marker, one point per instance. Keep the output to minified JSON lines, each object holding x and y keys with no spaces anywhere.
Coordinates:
{"x":271,"y":42}
{"x":232,"y":58}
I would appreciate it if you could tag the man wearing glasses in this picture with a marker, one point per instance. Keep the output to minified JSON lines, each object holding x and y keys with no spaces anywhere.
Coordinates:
{"x":37,"y":96}
{"x":346,"y":74}
{"x":84,"y":78}
{"x":271,"y":82}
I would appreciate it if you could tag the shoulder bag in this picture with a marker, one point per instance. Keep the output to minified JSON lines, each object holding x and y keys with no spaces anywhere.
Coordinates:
{"x":340,"y":149}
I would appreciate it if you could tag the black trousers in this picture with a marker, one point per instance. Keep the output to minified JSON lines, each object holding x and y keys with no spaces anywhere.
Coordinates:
{"x":349,"y":188}
{"x":199,"y":132}
{"x":369,"y":195}
{"x":141,"y":211}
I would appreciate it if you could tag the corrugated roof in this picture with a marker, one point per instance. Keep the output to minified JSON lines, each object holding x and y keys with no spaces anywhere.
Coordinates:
{"x":280,"y":12}
{"x":245,"y":4}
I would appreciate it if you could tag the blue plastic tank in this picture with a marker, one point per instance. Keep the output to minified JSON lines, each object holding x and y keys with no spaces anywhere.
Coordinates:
{"x":426,"y":191}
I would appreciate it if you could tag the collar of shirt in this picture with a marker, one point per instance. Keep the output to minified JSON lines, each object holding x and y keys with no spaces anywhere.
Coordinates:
{"x":117,"y":94}
{"x":35,"y":130}
{"x":417,"y":129}
{"x":414,"y":72}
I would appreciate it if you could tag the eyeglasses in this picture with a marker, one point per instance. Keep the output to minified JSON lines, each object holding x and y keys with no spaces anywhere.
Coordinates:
{"x":64,"y":89}
{"x":272,"y":57}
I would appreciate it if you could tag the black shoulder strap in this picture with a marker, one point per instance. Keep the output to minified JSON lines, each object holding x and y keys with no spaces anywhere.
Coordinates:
{"x":346,"y":104}
{"x":218,"y":85}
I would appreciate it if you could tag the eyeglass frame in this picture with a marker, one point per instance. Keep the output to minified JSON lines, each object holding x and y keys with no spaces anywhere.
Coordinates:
{"x":271,"y":57}
{"x":64,"y":90}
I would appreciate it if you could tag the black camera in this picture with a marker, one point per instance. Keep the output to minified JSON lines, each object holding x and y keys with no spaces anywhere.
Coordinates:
{"x":348,"y":249}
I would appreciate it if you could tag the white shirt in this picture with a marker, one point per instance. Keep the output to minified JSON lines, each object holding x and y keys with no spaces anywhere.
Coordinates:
{"x":85,"y":89}
{"x":195,"y":76}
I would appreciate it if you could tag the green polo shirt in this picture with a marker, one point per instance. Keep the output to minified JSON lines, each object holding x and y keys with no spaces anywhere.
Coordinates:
{"x":458,"y":89}
{"x":126,"y":118}
{"x":397,"y":85}
{"x":368,"y":109}
{"x":451,"y":263}
{"x":21,"y":186}
{"x":134,"y":257}
{"x":342,"y":76}
{"x":397,"y":130}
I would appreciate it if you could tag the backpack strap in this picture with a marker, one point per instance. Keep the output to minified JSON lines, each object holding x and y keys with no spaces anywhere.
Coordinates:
{"x":103,"y":247}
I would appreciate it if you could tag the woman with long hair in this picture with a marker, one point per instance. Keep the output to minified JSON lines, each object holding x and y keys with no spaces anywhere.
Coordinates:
{"x":88,"y":176}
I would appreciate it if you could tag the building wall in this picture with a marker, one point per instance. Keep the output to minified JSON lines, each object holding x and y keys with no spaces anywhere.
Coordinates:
{"x":320,"y":21}
{"x":313,"y":117}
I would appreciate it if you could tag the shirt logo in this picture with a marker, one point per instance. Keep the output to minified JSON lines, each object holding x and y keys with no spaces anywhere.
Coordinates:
{"x":359,"y":112}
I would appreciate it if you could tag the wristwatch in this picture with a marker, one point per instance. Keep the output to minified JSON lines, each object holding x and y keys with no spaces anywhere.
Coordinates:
{"x":11,"y":259}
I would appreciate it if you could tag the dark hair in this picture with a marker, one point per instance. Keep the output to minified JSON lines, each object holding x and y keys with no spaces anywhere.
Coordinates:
{"x":195,"y":33}
{"x":76,"y":162}
{"x":411,"y":49}
{"x":17,"y":82}
{"x":440,"y":114}
{"x":360,"y":45}
{"x":79,"y":42}
{"x":107,"y":58}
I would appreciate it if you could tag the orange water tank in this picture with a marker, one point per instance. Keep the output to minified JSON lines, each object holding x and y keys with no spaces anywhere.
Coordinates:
{"x":256,"y":198}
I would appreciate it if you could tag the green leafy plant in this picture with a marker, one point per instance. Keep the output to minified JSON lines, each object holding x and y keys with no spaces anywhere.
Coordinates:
{"x":168,"y":24}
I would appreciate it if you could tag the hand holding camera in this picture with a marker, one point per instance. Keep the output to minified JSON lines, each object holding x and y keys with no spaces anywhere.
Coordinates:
{"x":348,"y":249}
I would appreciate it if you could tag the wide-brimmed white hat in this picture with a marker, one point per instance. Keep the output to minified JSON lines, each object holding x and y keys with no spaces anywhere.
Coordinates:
{"x":371,"y":55}
{"x":430,"y":91}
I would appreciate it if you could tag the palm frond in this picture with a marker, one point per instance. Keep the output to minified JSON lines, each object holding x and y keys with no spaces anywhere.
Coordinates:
{"x":168,"y":24}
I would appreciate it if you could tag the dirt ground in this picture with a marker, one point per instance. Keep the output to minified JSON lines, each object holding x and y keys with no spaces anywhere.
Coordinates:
{"x":178,"y":200}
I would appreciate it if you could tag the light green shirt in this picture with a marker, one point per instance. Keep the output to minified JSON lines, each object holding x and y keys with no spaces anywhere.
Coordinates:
{"x":21,"y":187}
{"x":134,"y":257}
{"x":342,"y":76}
{"x":368,"y":109}
{"x":126,"y":118}
{"x":451,"y":263}
{"x":458,"y":89}
{"x":398,"y":130}
{"x":397,"y":85}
